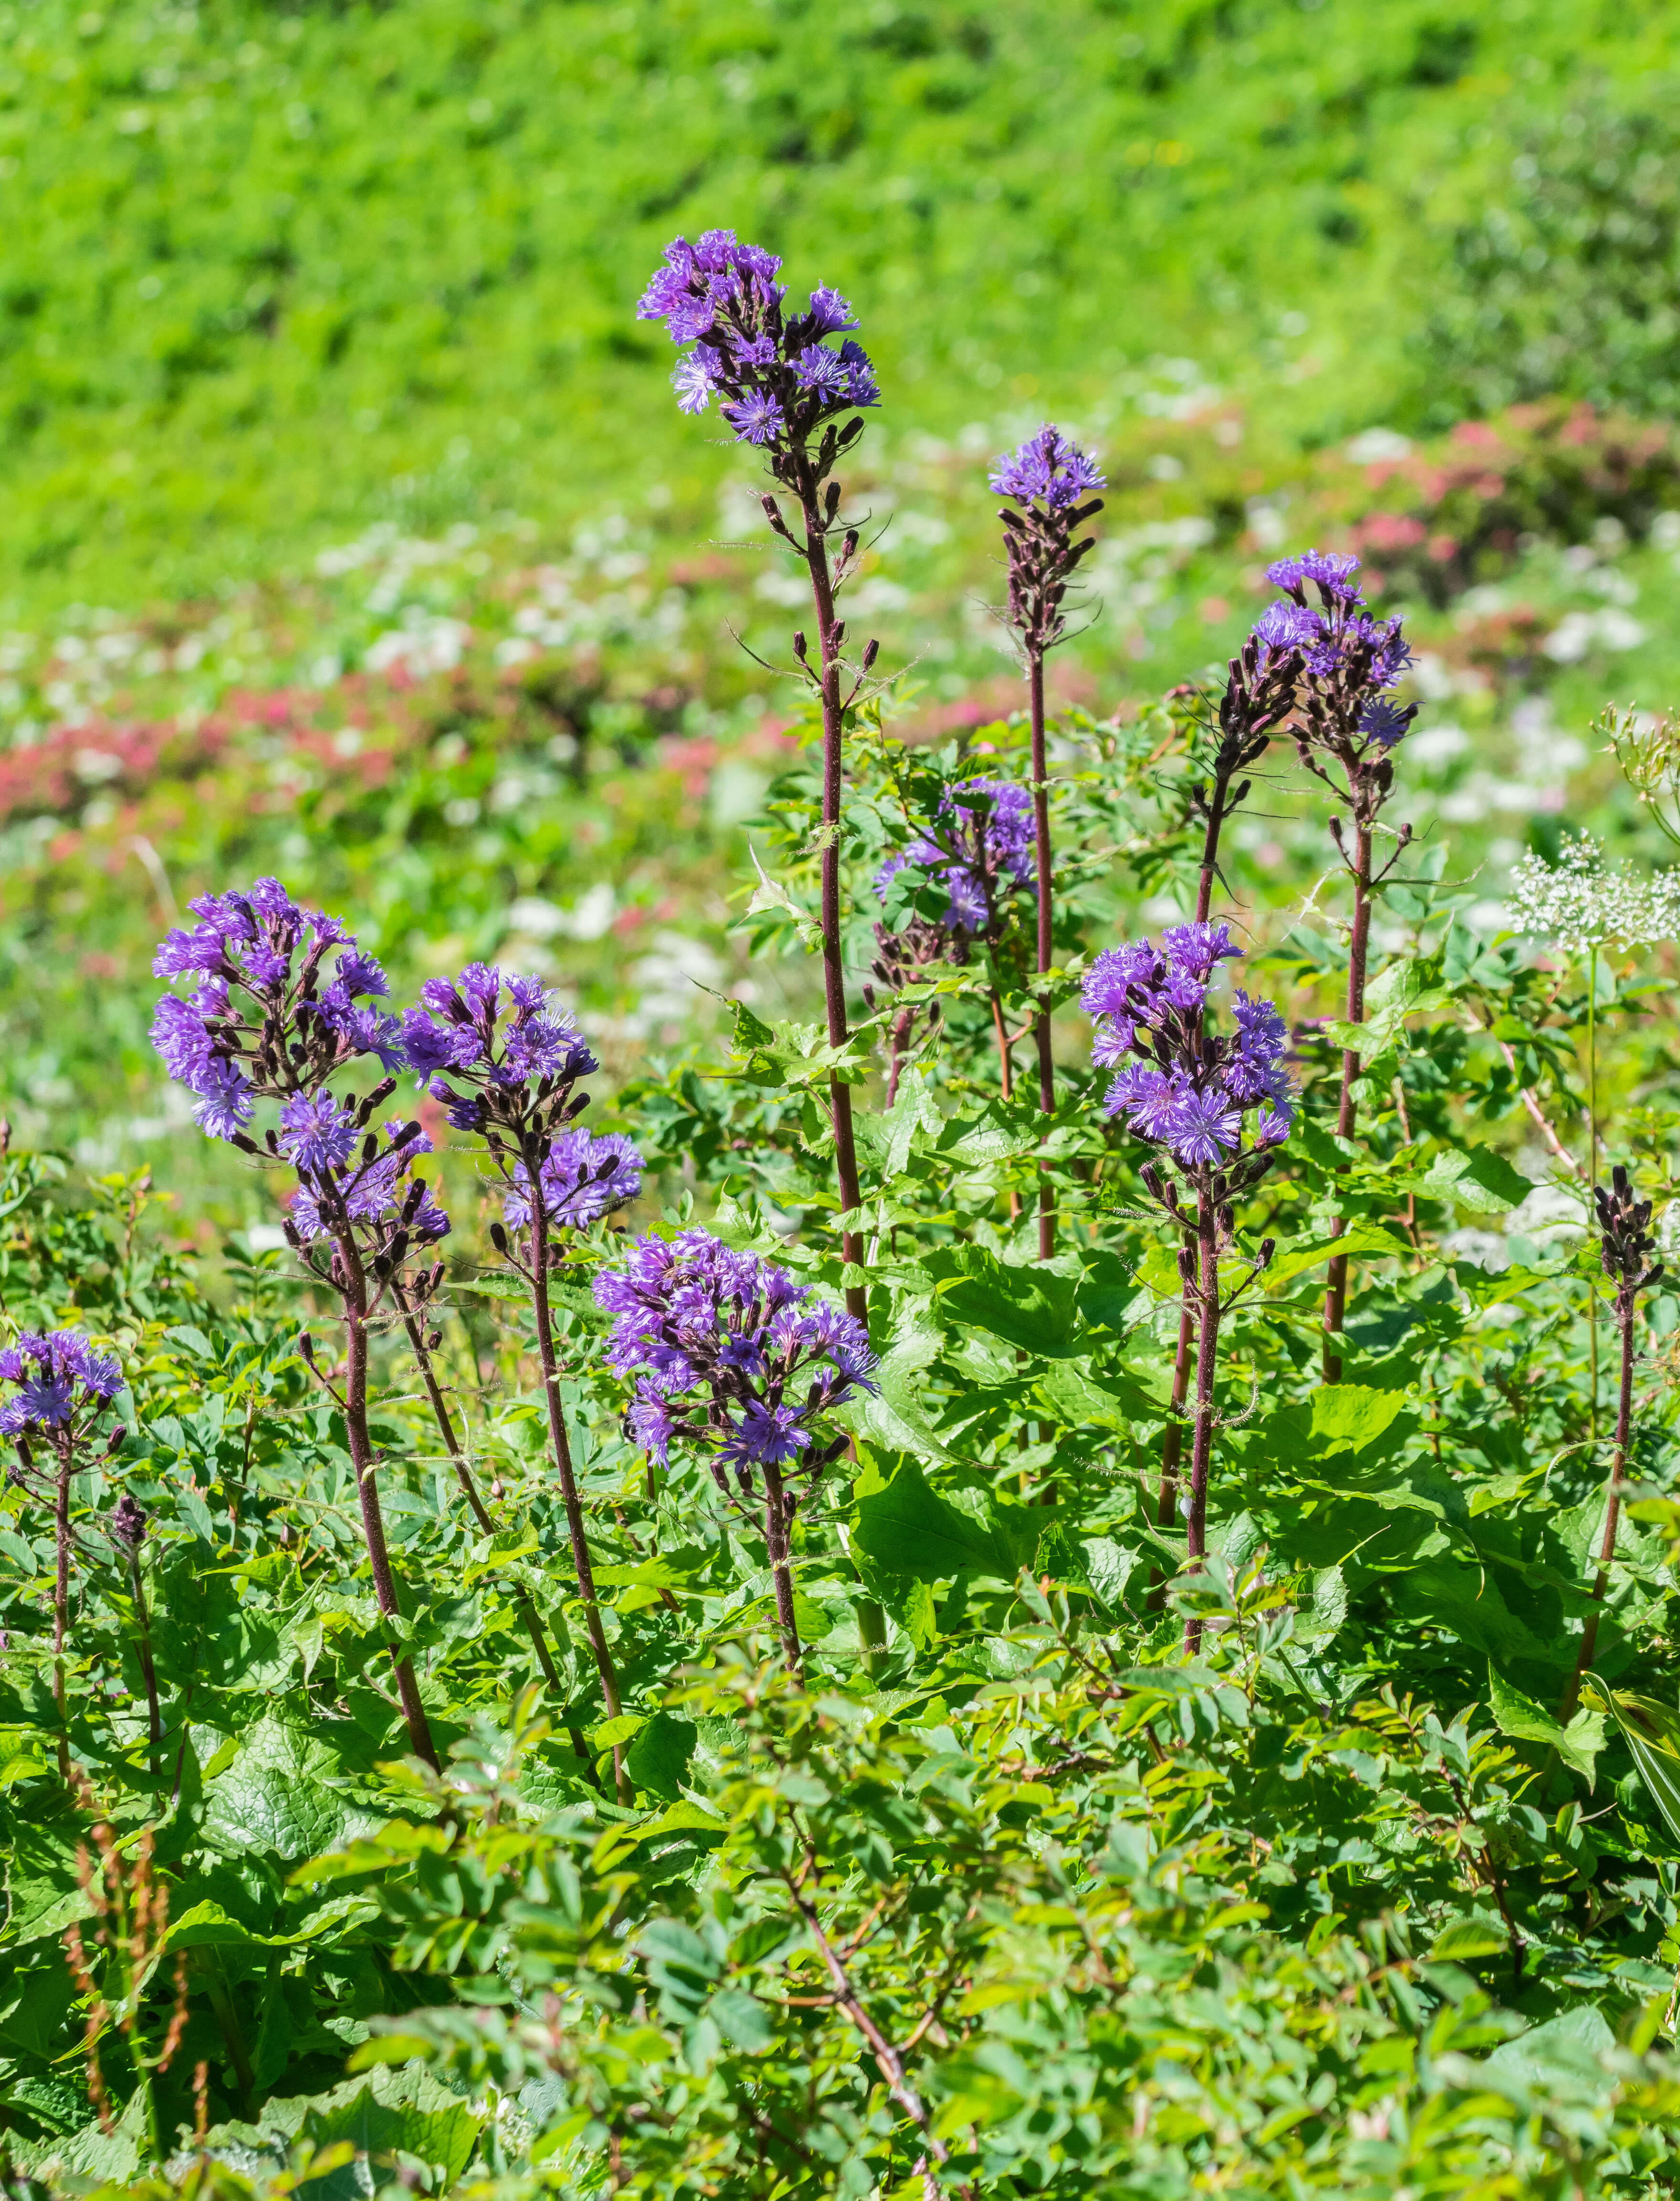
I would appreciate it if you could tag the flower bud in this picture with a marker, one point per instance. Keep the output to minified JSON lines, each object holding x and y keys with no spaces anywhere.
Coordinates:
{"x":498,"y":1238}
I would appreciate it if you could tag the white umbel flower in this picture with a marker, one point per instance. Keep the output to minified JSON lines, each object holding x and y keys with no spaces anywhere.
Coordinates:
{"x":1580,"y":902}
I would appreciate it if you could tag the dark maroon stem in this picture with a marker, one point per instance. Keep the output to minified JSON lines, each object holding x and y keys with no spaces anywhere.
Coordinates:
{"x":1335,"y":1292}
{"x":1040,"y":824}
{"x":147,"y":1670}
{"x":834,"y":976}
{"x":355,"y":1296}
{"x":779,"y":1544}
{"x":1172,"y":1444}
{"x":1206,"y":1358}
{"x":1607,"y":1552}
{"x":61,"y":1600}
{"x":568,"y":1480}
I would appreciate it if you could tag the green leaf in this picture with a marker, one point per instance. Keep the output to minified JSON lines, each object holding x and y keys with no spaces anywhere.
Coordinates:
{"x":1461,"y":1941}
{"x":1652,"y":1733}
{"x":912,"y":1532}
{"x":1524,"y":1721}
{"x":1030,"y":1306}
{"x":274,"y":1796}
{"x":1475,"y":1178}
{"x":743,"y":2019}
{"x":492,"y":1288}
{"x":658,"y":1759}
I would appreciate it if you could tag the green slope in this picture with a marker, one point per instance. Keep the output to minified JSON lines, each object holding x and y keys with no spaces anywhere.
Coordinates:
{"x":270,"y":273}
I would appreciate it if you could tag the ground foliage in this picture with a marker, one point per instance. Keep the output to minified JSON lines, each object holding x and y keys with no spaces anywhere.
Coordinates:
{"x":1010,"y":1894}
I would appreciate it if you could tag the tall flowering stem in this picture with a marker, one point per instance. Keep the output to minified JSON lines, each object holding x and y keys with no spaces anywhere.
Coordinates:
{"x":1346,"y":727}
{"x":506,"y":1061}
{"x":781,"y":387}
{"x":284,"y":1002}
{"x":58,"y":1393}
{"x":125,"y":1526}
{"x":1259,"y":695}
{"x":975,"y":850}
{"x":1045,"y":480}
{"x":1624,"y":1252}
{"x":1188,"y":1092}
{"x":729,"y":1355}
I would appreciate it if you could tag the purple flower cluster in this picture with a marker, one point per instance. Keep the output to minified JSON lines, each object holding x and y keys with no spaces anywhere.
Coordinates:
{"x":1047,"y":477}
{"x":583,"y":1177}
{"x":981,"y":837}
{"x":269,"y":1013}
{"x":59,"y":1380}
{"x":1350,"y":661}
{"x":775,"y":376}
{"x":319,"y":1138}
{"x":1178,"y":1085}
{"x":729,"y":1352}
{"x":460,"y":1039}
{"x":1050,"y":468}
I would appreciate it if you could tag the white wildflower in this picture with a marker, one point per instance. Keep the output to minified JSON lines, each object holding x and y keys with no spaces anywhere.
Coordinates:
{"x":1580,"y":902}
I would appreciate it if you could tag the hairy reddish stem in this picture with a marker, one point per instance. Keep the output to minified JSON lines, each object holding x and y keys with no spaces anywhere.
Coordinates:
{"x":568,"y":1480}
{"x":834,"y":976}
{"x":368,"y":1488}
{"x":1606,"y":1552}
{"x":1335,"y":1290}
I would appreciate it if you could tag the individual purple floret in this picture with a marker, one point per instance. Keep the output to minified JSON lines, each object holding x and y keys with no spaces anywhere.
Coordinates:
{"x":1179,"y":1086}
{"x":777,"y":381}
{"x":583,"y":1178}
{"x":61,"y":1385}
{"x":977,"y":847}
{"x":729,"y":1355}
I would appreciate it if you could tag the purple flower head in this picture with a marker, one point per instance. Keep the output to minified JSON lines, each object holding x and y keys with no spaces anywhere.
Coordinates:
{"x":224,"y":1101}
{"x":829,"y":315}
{"x":1048,"y":468}
{"x":1385,"y":723}
{"x":583,"y":1178}
{"x":1203,"y":1127}
{"x":316,"y":1135}
{"x":766,"y":1435}
{"x":694,"y":386}
{"x":1332,"y":572}
{"x":822,"y":370}
{"x":1283,"y":626}
{"x":755,"y":419}
{"x":60,"y":1382}
{"x":1196,"y":950}
{"x":1147,"y":1095}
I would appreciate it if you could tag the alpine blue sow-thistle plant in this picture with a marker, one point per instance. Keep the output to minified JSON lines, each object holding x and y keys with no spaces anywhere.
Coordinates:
{"x":1189,"y":1091}
{"x":976,"y":850}
{"x":279,"y":1009}
{"x":505,"y":1061}
{"x":782,"y":386}
{"x":1048,"y":480}
{"x":729,"y":1355}
{"x":1625,"y":1246}
{"x":58,"y":1392}
{"x":1345,"y":723}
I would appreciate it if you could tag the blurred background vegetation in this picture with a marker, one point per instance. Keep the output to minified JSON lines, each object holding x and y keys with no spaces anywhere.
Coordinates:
{"x":352,"y":532}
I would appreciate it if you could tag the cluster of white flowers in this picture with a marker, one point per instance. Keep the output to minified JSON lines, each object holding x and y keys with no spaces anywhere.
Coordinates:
{"x":1580,"y":902}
